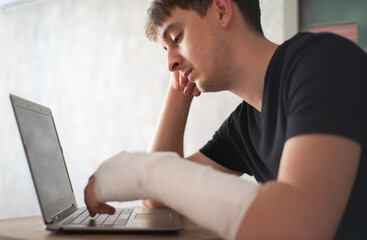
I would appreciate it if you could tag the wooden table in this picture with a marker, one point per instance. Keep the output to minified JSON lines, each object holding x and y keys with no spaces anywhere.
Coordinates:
{"x":33,"y":228}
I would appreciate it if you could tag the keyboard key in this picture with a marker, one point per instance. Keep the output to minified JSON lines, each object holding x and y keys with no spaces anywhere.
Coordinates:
{"x":121,"y":222}
{"x":128,"y":210}
{"x":112,"y":218}
{"x":100,"y":220}
{"x":90,"y":221}
{"x":80,"y":218}
{"x":120,"y":218}
{"x":124,"y":216}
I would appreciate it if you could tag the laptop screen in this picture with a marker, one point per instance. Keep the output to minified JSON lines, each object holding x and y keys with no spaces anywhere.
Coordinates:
{"x":44,"y":156}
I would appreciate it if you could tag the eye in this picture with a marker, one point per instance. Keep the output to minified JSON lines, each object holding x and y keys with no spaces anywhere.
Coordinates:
{"x":177,"y":39}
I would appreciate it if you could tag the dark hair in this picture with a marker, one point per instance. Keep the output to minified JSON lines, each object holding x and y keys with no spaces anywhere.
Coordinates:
{"x":160,"y":10}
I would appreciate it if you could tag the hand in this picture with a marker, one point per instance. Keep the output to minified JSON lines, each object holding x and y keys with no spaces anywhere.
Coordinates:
{"x":93,"y":205}
{"x":179,"y":82}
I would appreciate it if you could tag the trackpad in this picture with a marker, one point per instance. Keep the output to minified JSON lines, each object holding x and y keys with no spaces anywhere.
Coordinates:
{"x":155,"y":216}
{"x":152,"y":220}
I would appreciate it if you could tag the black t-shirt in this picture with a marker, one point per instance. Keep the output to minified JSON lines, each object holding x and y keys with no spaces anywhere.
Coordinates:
{"x":315,"y":83}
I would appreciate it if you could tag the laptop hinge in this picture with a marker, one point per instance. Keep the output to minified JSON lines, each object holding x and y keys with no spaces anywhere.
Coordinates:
{"x":63,"y":213}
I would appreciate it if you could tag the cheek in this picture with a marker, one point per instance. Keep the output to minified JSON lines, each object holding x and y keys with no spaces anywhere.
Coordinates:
{"x":196,"y":44}
{"x":196,"y":53}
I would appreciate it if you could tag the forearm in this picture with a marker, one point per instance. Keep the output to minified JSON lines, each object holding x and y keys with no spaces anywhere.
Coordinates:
{"x":211,"y":198}
{"x":280,"y":211}
{"x":169,"y":135}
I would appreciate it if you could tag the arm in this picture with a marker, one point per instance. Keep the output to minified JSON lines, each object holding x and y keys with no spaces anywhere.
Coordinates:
{"x":306,"y":202}
{"x":211,"y":198}
{"x":170,"y":130}
{"x":308,"y":199}
{"x":169,"y":135}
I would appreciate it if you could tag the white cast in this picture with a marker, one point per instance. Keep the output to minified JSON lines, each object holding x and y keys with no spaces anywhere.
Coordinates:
{"x":213,"y":199}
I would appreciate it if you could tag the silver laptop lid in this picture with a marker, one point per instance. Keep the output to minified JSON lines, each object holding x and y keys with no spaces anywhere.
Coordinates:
{"x":45,"y":157}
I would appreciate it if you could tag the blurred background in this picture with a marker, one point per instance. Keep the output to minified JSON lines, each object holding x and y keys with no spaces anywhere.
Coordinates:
{"x":90,"y":62}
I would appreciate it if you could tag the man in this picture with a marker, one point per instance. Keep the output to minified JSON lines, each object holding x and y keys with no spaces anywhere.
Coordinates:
{"x":301,"y":129}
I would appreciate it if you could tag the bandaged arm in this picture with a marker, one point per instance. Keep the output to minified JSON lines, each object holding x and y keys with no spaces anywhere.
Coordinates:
{"x":213,"y":199}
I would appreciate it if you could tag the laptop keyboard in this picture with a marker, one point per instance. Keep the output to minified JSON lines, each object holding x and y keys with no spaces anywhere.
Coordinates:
{"x":119,"y":218}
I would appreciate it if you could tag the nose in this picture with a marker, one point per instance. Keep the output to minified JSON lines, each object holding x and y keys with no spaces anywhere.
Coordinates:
{"x":174,"y":60}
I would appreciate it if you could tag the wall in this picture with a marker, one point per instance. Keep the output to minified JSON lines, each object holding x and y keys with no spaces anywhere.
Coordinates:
{"x":279,"y":19}
{"x":328,"y":13}
{"x":90,"y":62}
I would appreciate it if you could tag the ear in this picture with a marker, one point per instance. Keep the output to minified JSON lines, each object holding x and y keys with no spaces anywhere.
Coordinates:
{"x":224,"y":11}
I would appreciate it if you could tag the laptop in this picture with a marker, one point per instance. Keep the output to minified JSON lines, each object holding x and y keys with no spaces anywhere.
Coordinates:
{"x":53,"y":187}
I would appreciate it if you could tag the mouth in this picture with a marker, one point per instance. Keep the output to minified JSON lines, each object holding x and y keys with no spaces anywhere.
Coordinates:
{"x":187,"y":75}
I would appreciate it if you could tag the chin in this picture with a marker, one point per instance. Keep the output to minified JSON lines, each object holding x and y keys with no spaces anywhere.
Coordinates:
{"x":203,"y":89}
{"x":200,"y":88}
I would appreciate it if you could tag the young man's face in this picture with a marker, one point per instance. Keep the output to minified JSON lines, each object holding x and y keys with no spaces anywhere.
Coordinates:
{"x":194,"y":48}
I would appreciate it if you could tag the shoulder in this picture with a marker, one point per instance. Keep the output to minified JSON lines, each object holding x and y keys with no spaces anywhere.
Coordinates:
{"x":314,"y":55}
{"x":326,"y":81}
{"x":303,"y":40}
{"x":323,"y":46}
{"x":321,"y":57}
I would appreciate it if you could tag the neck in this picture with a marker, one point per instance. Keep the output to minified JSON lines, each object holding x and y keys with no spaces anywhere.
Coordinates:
{"x":251,"y":58}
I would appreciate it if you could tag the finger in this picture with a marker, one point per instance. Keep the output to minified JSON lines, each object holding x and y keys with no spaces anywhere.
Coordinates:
{"x":92,"y":208}
{"x":175,"y":80}
{"x":92,"y":212}
{"x":183,"y":80}
{"x":90,"y":199}
{"x":92,"y":205}
{"x":189,"y":88}
{"x":92,"y":177}
{"x":196,"y":92}
{"x":105,"y":208}
{"x":101,"y":209}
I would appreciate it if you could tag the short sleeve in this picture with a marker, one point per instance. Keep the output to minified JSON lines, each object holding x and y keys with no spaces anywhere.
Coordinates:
{"x":328,"y":90}
{"x":221,"y":148}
